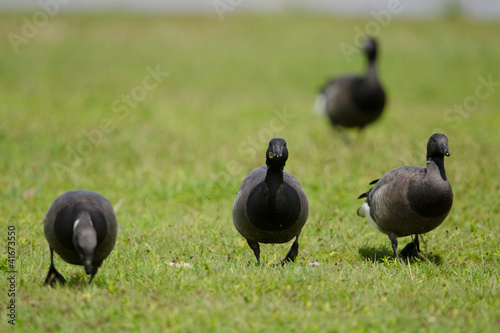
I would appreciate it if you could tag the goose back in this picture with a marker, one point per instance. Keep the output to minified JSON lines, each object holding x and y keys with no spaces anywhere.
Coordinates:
{"x":60,"y":219}
{"x":349,"y":104}
{"x":410,"y":200}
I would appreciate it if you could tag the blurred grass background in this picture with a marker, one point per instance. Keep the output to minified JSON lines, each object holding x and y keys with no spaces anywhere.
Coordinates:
{"x":173,"y":163}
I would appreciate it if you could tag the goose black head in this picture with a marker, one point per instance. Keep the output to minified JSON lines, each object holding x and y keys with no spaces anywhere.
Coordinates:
{"x":276,"y":154}
{"x":437,"y":147}
{"x":369,"y":47}
{"x":85,"y":240}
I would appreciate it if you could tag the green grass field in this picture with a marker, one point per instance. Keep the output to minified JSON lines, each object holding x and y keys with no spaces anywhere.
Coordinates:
{"x":81,"y":109}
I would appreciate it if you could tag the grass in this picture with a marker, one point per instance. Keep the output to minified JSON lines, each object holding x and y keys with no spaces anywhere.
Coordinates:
{"x":172,"y":164}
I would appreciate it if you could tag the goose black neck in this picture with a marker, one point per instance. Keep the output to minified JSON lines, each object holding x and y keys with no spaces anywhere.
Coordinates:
{"x":274,"y":176}
{"x":84,"y":214}
{"x":437,"y":162}
{"x":276,"y":166}
{"x":371,"y":56}
{"x":371,"y":72}
{"x":274,"y":180}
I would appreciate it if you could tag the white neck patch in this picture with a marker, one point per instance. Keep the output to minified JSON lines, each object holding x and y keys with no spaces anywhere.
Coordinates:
{"x":78,"y":222}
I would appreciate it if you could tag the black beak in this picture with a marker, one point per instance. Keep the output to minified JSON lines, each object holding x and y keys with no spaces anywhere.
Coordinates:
{"x":446,"y":151}
{"x":276,"y":152}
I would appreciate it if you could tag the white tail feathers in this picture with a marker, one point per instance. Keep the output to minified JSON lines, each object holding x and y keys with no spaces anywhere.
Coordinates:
{"x":320,"y":104}
{"x":364,"y":211}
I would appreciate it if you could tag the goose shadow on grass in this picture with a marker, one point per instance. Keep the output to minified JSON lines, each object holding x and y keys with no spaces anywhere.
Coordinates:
{"x":378,"y":254}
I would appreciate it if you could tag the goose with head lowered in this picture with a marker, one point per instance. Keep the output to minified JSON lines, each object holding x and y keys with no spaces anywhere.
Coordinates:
{"x":354,"y":101}
{"x":81,"y":228}
{"x":411,"y":200}
{"x":271,"y":206}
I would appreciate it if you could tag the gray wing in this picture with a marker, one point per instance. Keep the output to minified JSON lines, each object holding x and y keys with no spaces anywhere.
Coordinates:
{"x":304,"y":202}
{"x":338,"y":97}
{"x":388,"y":198}
{"x":252,"y":179}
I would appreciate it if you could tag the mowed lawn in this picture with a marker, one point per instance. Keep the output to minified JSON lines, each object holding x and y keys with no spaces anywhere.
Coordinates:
{"x":165,"y":115}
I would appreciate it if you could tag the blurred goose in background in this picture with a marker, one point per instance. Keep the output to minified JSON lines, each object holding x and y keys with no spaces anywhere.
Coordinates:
{"x":354,"y":101}
{"x":271,"y":206}
{"x":81,"y":228}
{"x":411,"y":200}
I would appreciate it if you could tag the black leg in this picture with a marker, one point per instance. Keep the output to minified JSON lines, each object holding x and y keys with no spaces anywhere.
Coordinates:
{"x":256,"y":249}
{"x":394,"y":242}
{"x":53,"y":275}
{"x":417,"y":243}
{"x":412,"y":249}
{"x":419,"y":253}
{"x":343,"y":134}
{"x":294,"y":251}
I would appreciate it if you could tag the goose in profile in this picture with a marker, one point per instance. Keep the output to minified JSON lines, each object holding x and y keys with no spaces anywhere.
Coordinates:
{"x":271,"y":206}
{"x":81,"y":228}
{"x":354,"y":101}
{"x":411,"y":200}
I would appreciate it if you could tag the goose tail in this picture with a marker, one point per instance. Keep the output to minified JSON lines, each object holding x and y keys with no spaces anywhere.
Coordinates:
{"x":320,"y":104}
{"x":361,"y":212}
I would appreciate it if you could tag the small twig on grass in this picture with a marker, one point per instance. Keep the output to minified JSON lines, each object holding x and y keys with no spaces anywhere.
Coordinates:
{"x":409,"y":267}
